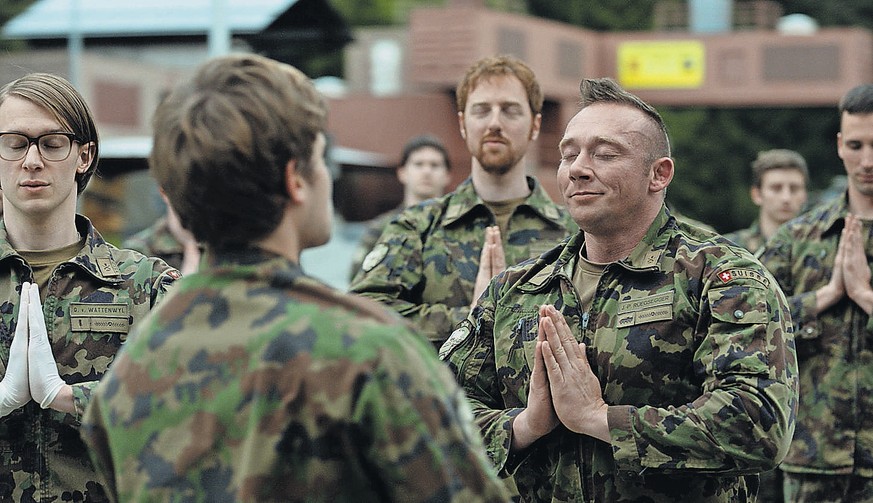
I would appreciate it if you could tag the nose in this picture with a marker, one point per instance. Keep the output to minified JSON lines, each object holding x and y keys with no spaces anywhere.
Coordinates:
{"x":32,"y":157}
{"x":579,"y":169}
{"x":494,"y":120}
{"x":867,"y":156}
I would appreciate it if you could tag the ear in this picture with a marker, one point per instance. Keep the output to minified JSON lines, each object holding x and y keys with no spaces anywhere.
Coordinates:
{"x":401,"y":174}
{"x":461,"y":125}
{"x":662,"y":174}
{"x":85,"y":157}
{"x":840,"y":145}
{"x":295,"y":186}
{"x":755,"y":192}
{"x":535,"y":127}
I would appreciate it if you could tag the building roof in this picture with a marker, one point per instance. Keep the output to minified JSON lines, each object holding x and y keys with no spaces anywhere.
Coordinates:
{"x":51,"y":19}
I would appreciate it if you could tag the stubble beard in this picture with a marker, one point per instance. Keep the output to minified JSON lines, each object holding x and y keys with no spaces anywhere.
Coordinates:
{"x":497,"y":164}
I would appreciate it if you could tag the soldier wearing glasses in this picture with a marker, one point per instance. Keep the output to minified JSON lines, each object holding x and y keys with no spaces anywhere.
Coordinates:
{"x":67,"y":297}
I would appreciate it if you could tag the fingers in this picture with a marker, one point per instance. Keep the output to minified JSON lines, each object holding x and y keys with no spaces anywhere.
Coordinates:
{"x":485,"y":256}
{"x":35,"y":318}
{"x":498,"y":259}
{"x":21,"y":326}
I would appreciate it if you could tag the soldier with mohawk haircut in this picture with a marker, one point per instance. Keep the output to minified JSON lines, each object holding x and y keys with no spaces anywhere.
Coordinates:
{"x":643,"y":359}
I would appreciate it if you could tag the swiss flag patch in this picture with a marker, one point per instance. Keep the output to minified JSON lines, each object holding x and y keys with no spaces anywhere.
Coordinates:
{"x":725,"y":276}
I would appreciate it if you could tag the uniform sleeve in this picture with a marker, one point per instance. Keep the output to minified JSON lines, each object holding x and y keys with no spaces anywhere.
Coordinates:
{"x":743,"y":420}
{"x":469,"y":352}
{"x":778,"y":258}
{"x":94,"y":435}
{"x":420,"y":424}
{"x":393,"y":274}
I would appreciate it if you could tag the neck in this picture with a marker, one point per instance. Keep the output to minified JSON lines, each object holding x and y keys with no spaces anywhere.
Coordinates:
{"x":410,"y":200}
{"x":39,"y":234}
{"x":606,"y":251}
{"x":284,"y":240}
{"x":860,"y":205}
{"x":768,"y":226}
{"x":614,"y":244}
{"x":495,"y":188}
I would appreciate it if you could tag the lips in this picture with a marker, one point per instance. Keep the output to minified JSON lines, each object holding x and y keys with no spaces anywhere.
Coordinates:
{"x":488,"y":140}
{"x":33,"y":183}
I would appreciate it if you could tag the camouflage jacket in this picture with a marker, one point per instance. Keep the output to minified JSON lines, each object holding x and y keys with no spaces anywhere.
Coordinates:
{"x":90,"y":304}
{"x":691,"y":340}
{"x":834,"y":349}
{"x":157,"y":241}
{"x":254,"y":382}
{"x":425,"y":264}
{"x":369,"y":238}
{"x":749,"y":238}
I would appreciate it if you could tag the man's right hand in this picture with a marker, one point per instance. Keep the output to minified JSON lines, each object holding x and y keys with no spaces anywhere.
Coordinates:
{"x":492,"y":261}
{"x":539,"y":418}
{"x":14,"y":388}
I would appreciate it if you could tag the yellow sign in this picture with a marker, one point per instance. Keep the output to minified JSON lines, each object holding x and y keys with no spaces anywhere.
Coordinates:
{"x":661,"y":64}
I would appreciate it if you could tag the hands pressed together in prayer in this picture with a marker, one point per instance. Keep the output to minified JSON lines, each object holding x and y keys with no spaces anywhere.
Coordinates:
{"x":851,"y":274}
{"x":563,"y":388}
{"x":492,"y":261}
{"x":31,"y":372}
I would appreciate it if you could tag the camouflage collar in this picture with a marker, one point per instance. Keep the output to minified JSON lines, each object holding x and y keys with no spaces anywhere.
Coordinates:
{"x":95,"y":258}
{"x":647,"y":254}
{"x":833,"y":213}
{"x":464,"y":199}
{"x":254,"y":263}
{"x":644,"y":257}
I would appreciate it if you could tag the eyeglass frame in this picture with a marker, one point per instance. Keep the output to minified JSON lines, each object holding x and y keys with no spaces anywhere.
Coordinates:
{"x":73,"y":137}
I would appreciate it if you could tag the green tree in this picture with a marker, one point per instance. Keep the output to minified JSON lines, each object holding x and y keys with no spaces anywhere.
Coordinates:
{"x":608,"y":15}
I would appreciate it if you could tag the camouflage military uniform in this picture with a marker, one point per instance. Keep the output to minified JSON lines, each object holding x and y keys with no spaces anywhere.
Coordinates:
{"x":750,"y":238}
{"x":89,"y":306}
{"x":369,"y":238}
{"x":834,"y":349}
{"x":253,"y":382}
{"x":157,"y":241}
{"x":691,"y":341}
{"x":426,"y":261}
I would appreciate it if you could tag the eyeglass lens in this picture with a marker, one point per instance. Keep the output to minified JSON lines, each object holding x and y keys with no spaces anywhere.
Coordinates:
{"x":51,"y":146}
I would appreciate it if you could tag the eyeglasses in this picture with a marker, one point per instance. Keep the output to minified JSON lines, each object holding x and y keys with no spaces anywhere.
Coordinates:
{"x":51,"y":146}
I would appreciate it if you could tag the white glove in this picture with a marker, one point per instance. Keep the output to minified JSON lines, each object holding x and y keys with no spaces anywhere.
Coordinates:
{"x":14,"y":390}
{"x":45,"y":382}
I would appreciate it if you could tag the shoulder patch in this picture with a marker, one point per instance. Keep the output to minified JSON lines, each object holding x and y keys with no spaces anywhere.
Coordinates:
{"x":732,"y":274}
{"x":454,"y":340}
{"x":376,"y":255}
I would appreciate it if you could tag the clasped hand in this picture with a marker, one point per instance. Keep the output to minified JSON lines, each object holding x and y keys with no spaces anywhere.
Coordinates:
{"x":563,"y":388}
{"x":31,"y":372}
